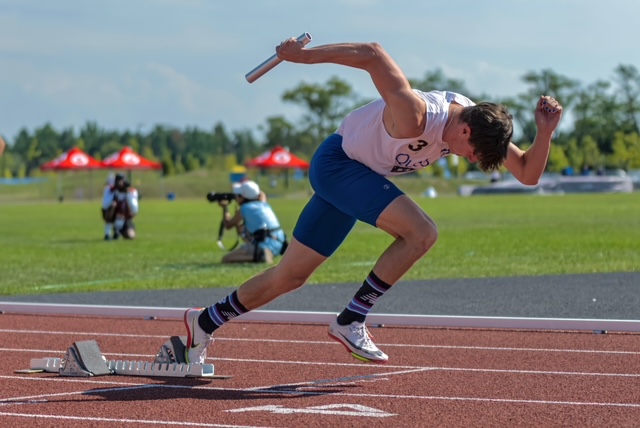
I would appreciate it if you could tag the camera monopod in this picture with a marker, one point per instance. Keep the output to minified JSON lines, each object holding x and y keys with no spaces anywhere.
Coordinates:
{"x":220,"y":241}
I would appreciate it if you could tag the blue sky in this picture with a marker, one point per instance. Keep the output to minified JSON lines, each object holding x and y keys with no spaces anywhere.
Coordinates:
{"x":136,"y":63}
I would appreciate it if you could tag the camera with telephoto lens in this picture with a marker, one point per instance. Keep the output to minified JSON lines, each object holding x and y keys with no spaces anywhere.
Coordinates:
{"x":216,"y":197}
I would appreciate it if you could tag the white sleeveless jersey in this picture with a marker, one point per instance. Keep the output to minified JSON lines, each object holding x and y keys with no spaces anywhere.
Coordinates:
{"x":365,"y":139}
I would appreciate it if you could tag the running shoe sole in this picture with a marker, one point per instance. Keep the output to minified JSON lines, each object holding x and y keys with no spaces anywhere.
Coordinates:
{"x":354,"y":355}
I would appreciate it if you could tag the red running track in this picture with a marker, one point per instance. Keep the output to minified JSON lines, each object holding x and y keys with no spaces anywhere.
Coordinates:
{"x":288,"y":375}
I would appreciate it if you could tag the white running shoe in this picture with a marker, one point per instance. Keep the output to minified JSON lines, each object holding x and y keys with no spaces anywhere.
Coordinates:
{"x":197,"y":339}
{"x":355,"y":337}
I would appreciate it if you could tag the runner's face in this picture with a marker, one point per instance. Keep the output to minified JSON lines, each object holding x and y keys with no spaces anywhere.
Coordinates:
{"x":462,"y":147}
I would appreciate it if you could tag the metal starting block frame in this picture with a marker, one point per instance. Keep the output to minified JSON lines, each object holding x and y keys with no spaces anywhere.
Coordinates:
{"x":84,"y":359}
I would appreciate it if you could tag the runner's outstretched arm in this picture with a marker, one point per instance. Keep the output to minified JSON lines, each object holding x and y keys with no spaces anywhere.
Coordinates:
{"x":406,"y":109}
{"x":528,"y":166}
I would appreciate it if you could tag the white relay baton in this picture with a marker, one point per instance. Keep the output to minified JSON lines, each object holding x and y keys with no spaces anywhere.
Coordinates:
{"x":267,"y":65}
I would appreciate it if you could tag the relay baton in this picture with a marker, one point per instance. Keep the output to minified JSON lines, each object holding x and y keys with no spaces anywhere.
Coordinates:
{"x":267,"y":65}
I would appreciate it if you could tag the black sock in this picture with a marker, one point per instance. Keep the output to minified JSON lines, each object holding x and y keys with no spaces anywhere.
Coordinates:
{"x":223,"y":311}
{"x":364,"y":299}
{"x":206,"y":323}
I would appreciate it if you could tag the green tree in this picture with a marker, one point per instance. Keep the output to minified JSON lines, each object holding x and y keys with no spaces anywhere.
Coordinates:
{"x":326,"y":105}
{"x":109,"y":148}
{"x":199,"y":144}
{"x":574,"y":154}
{"x":436,"y":81}
{"x":131,"y":140}
{"x":545,"y":82}
{"x":626,"y":151}
{"x":168,"y":166}
{"x":147,"y":153}
{"x":8,"y":163}
{"x":93,"y":137}
{"x":68,"y":140}
{"x":557,"y":159}
{"x":158,"y":140}
{"x":221,"y":146}
{"x":243,"y":144}
{"x":179,"y":165}
{"x":593,"y":157}
{"x":597,"y":115}
{"x":628,"y":79}
{"x":193,"y":162}
{"x":33,"y":155}
{"x":280,"y":132}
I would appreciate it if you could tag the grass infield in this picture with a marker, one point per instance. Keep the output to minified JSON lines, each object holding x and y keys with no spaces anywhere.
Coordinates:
{"x":58,"y":247}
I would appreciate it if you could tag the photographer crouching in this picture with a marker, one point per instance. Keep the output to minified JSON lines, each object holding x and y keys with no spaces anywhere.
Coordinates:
{"x":119,"y":207}
{"x":256,"y":222}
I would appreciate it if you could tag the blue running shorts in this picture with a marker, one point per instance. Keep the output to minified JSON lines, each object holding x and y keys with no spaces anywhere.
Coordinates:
{"x":345,"y":191}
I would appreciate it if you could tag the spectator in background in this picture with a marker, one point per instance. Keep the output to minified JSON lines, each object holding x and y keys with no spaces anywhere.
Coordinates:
{"x":2,"y":145}
{"x":568,"y":171}
{"x":261,"y":231}
{"x":119,"y":207}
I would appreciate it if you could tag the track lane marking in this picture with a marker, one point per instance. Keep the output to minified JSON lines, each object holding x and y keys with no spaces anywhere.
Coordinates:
{"x":341,"y":380}
{"x":314,"y":342}
{"x":364,"y":365}
{"x":43,"y":397}
{"x":120,"y":420}
{"x":400,"y":397}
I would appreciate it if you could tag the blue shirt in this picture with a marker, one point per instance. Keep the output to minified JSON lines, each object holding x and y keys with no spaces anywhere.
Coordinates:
{"x":259,"y":215}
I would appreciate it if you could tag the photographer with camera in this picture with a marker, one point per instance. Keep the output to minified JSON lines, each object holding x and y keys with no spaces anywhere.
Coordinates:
{"x":119,"y":207}
{"x":239,"y":228}
{"x":256,"y":223}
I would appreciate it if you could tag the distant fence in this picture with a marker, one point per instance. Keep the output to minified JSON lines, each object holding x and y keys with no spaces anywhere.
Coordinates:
{"x":560,"y":185}
{"x":21,"y":181}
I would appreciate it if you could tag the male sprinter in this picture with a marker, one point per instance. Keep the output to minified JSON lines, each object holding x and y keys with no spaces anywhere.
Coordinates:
{"x":403,"y":131}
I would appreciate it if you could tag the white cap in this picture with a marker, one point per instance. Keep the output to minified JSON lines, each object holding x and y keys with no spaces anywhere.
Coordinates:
{"x":249,"y":190}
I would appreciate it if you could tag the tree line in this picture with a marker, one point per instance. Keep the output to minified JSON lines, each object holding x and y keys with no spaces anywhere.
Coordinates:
{"x":600,"y":127}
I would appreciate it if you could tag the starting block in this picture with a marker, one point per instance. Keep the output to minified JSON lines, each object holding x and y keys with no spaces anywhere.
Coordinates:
{"x":85,"y":359}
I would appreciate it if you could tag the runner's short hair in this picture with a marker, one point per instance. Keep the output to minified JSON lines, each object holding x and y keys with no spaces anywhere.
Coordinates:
{"x":491,"y":131}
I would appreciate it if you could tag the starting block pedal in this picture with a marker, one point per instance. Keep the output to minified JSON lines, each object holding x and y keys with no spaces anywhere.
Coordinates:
{"x":172,"y":351}
{"x":84,"y":359}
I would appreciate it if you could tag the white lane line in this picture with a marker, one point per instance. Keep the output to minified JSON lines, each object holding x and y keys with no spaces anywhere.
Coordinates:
{"x":456,"y":347}
{"x":402,"y":397}
{"x":44,"y":397}
{"x":84,"y":333}
{"x":327,"y":342}
{"x":91,"y":380}
{"x":341,"y":380}
{"x":435,"y":368}
{"x":388,"y":366}
{"x":446,"y":398}
{"x":360,"y":365}
{"x":129,"y":421}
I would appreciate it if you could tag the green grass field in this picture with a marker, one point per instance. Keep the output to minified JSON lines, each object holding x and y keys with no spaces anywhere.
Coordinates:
{"x":58,"y":247}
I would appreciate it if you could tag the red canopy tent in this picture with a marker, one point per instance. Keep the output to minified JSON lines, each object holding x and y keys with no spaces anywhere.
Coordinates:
{"x":73,"y":160}
{"x":128,"y":159}
{"x":279,"y":157}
